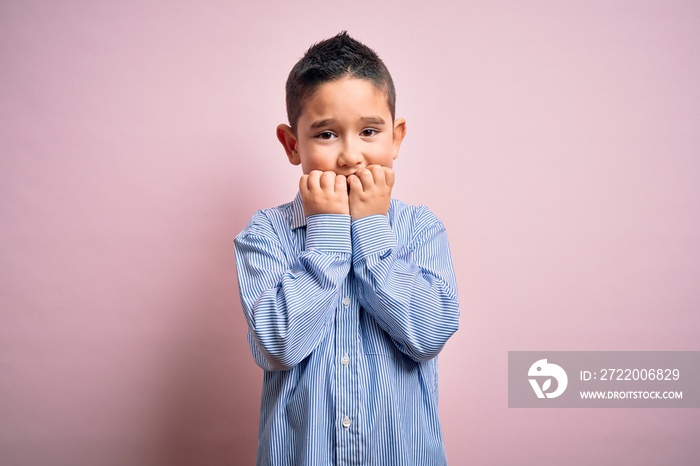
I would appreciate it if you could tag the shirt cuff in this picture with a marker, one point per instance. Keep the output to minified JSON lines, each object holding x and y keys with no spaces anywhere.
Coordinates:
{"x":371,"y":235}
{"x":328,"y":232}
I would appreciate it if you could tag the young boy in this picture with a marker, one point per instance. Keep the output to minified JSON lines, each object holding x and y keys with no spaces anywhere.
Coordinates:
{"x":349,"y":294}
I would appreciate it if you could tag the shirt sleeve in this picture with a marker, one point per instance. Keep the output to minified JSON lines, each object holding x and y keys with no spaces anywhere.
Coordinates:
{"x":289,"y":301}
{"x":410,"y":290}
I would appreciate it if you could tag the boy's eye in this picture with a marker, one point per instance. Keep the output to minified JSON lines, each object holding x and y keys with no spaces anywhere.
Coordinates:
{"x":325,"y":135}
{"x":369,"y":132}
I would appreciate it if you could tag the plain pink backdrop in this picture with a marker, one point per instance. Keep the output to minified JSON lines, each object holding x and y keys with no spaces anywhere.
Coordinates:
{"x":557,"y":140}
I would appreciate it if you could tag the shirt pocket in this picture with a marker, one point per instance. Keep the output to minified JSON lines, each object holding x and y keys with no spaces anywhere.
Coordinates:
{"x":375,"y":341}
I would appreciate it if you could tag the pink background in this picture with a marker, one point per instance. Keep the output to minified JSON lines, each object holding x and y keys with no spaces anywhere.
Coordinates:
{"x":558,"y":141}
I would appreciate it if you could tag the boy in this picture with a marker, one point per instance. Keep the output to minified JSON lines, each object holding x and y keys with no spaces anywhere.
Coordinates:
{"x":349,"y":294}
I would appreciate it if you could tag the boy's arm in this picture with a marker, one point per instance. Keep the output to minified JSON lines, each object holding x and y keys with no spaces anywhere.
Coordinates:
{"x":289,"y":308}
{"x":289,"y":303}
{"x":409,"y":290}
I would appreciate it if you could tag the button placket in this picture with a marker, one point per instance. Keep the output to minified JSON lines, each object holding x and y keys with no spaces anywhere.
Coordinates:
{"x":347,"y":401}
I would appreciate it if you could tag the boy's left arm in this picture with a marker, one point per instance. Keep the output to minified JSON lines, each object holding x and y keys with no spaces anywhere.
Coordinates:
{"x":410,"y":290}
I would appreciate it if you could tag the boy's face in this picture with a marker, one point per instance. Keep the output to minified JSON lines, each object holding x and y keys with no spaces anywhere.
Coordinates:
{"x":345,"y":126}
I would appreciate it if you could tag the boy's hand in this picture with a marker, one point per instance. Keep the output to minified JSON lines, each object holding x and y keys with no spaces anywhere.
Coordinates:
{"x":324,"y":193}
{"x":370,"y":191}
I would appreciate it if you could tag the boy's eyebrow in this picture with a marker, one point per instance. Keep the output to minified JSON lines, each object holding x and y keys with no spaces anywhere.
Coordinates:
{"x":321,"y":123}
{"x":377,"y":120}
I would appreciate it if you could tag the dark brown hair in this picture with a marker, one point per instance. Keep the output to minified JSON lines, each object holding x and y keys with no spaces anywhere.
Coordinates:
{"x":335,"y":58}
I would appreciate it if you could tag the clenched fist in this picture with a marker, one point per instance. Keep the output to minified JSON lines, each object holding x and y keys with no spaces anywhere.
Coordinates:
{"x":324,"y":193}
{"x":370,"y":191}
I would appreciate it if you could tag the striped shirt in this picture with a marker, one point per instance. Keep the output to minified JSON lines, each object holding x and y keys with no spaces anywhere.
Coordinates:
{"x":347,"y":319}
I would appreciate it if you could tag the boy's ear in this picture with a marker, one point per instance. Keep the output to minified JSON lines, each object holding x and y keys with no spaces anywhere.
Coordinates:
{"x":289,"y":142}
{"x":399,"y":133}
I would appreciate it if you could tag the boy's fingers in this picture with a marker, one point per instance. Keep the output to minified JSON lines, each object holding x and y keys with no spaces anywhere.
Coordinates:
{"x":341,"y":184}
{"x":315,"y":179}
{"x":378,"y":174}
{"x":355,"y":183}
{"x":365,"y":177}
{"x":327,"y":180}
{"x":304,"y":183}
{"x":390,"y":177}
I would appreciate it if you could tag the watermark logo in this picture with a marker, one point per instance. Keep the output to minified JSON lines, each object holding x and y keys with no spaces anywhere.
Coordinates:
{"x":547,"y":371}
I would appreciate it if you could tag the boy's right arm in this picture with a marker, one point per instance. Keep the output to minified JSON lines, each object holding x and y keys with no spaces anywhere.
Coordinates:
{"x":289,"y":307}
{"x":288,"y":301}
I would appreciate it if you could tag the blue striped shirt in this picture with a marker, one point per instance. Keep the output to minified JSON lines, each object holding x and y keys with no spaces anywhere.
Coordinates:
{"x":347,"y":318}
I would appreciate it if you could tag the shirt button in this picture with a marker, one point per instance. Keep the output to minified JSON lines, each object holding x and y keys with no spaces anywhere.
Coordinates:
{"x":345,"y":360}
{"x":346,"y":422}
{"x":346,"y":301}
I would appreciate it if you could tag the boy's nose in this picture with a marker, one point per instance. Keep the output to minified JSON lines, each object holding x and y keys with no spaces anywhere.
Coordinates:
{"x":349,"y":156}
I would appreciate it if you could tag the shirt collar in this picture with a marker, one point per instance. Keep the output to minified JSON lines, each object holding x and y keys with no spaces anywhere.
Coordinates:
{"x":298,"y":219}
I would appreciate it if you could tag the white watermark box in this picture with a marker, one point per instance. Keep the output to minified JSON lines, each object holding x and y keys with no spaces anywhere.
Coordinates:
{"x":604,"y":379}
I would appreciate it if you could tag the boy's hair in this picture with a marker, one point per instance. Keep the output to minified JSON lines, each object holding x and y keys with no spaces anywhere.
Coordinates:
{"x":331,"y":59}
